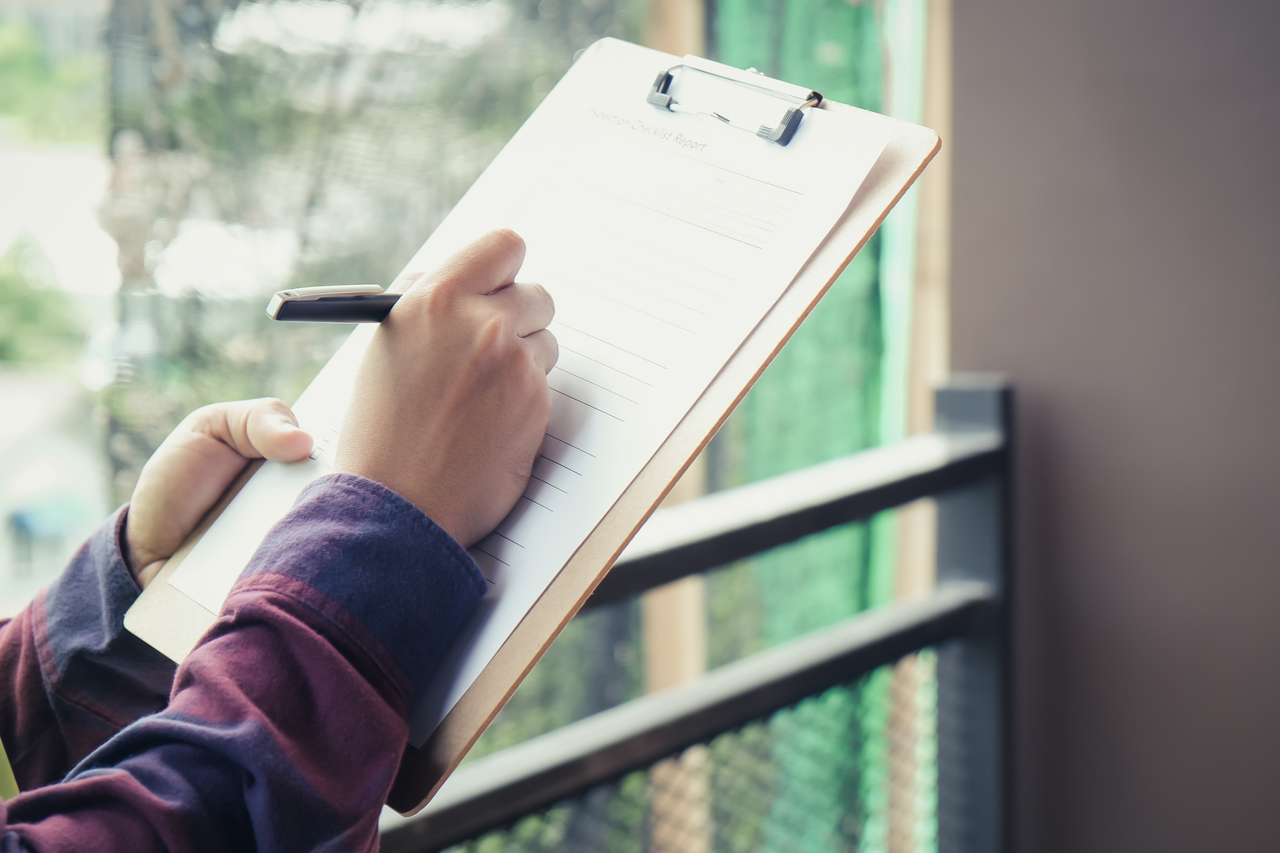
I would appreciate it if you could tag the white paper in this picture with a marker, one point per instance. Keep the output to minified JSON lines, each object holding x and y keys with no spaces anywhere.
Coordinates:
{"x":663,"y":239}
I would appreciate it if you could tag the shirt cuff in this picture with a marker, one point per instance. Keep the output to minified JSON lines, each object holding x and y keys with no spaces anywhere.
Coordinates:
{"x":87,"y":655}
{"x":388,"y":572}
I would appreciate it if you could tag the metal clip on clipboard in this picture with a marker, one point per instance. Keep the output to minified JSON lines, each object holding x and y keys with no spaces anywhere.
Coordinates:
{"x":797,"y":97}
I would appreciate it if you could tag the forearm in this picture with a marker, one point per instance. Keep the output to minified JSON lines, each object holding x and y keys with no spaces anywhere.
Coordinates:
{"x":287,"y":723}
{"x":72,"y":676}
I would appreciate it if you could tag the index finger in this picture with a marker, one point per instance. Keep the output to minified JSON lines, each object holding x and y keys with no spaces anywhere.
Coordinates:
{"x":481,"y":267}
{"x":528,"y":305}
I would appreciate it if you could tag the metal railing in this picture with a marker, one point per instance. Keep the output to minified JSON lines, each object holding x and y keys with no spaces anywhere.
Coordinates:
{"x":965,"y":467}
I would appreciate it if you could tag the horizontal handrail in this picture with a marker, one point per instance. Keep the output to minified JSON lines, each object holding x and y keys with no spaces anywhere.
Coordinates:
{"x":726,"y":526}
{"x":500,"y":788}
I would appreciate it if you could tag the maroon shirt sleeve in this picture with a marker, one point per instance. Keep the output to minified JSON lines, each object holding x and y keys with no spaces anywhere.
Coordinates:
{"x":72,"y":676}
{"x":286,"y":724}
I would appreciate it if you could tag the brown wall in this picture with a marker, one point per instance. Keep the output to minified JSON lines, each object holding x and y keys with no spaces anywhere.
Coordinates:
{"x":1116,"y":239}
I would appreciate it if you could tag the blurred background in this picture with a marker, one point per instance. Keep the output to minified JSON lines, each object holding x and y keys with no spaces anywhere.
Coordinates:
{"x":1102,"y":225}
{"x":166,"y":166}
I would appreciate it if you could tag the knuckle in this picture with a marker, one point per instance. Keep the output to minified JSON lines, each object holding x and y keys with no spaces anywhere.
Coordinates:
{"x":420,"y":293}
{"x":433,"y":300}
{"x":407,"y":279}
{"x":507,"y":241}
{"x":202,"y":413}
{"x":520,"y":365}
{"x":203,"y":418}
{"x":544,"y":298}
{"x":491,"y":339}
{"x":555,"y":350}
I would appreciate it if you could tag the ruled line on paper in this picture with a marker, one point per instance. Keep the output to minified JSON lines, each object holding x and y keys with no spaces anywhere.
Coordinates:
{"x":617,"y":370}
{"x":761,"y":191}
{"x":739,"y":174}
{"x":655,"y":294}
{"x":532,"y":501}
{"x":680,"y":281}
{"x":609,"y":343}
{"x":548,"y":482}
{"x":558,"y":462}
{"x":780,"y":208}
{"x":685,"y":261}
{"x":670,"y":199}
{"x":588,"y":405}
{"x":494,"y":556}
{"x":508,"y":538}
{"x":571,"y":444}
{"x":693,"y":164}
{"x":617,"y":301}
{"x":578,"y":345}
{"x":744,"y":239}
{"x":769,"y":225}
{"x":597,"y":384}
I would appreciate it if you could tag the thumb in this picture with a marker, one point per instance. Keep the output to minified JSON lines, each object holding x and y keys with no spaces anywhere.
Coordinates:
{"x":254,"y":428}
{"x":272,"y":430}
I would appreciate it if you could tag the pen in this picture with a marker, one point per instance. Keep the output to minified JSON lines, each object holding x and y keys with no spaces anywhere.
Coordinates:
{"x":354,"y":303}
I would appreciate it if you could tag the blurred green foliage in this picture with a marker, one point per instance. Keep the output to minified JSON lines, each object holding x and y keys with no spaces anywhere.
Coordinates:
{"x":819,"y":399}
{"x":38,"y":323}
{"x":50,"y":102}
{"x":593,"y":665}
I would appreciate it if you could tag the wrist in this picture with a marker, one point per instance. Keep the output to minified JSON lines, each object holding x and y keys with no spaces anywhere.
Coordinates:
{"x":122,"y":541}
{"x":143,"y":566}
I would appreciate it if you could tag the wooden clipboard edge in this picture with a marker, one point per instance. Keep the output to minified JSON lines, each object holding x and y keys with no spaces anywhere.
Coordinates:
{"x":166,"y":618}
{"x":423,"y":771}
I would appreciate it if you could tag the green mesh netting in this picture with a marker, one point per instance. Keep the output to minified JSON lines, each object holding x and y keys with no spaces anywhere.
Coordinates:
{"x":783,"y":784}
{"x":820,"y":399}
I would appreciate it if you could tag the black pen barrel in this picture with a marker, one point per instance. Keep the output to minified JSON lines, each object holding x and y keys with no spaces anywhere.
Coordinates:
{"x":339,"y":309}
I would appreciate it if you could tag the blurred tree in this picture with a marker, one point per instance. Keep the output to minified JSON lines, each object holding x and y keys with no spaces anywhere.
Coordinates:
{"x":38,"y":323}
{"x":56,"y":102}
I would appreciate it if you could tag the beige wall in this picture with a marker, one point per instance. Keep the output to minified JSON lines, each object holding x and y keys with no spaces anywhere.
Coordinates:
{"x":1116,"y":241}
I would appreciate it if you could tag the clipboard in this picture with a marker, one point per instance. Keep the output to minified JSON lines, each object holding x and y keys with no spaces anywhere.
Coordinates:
{"x":778,"y":112}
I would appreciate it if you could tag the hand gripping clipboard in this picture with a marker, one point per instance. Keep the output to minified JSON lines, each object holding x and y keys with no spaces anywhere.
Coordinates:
{"x":772,"y":111}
